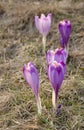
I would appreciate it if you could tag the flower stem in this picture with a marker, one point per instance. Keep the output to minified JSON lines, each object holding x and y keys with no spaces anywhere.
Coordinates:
{"x":44,"y":43}
{"x":39,"y":107}
{"x":67,"y":49}
{"x":54,"y":99}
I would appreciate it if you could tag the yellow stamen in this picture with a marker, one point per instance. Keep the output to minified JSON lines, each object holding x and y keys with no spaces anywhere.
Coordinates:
{"x":55,"y":64}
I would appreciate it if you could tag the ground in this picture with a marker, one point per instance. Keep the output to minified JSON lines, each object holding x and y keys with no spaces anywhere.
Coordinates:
{"x":20,"y":42}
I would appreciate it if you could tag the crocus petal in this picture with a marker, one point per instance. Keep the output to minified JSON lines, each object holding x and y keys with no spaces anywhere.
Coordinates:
{"x":37,"y":22}
{"x":43,"y":24}
{"x":65,"y":55}
{"x":31,"y":77}
{"x":56,"y":75}
{"x":65,"y":30}
{"x":59,"y":55}
{"x":49,"y":17}
{"x":50,"y":56}
{"x":65,"y":27}
{"x":64,"y":67}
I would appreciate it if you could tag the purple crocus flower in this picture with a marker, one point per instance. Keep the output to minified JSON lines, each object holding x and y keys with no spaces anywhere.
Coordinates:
{"x":56,"y":77}
{"x":43,"y":23}
{"x":65,"y":30}
{"x":31,"y":76}
{"x":60,"y":55}
{"x":43,"y":26}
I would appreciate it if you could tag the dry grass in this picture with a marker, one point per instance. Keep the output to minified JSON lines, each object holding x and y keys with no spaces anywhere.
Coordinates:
{"x":22,"y":44}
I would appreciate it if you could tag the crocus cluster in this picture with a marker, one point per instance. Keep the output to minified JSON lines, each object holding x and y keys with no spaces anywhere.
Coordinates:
{"x":56,"y":60}
{"x":56,"y":68}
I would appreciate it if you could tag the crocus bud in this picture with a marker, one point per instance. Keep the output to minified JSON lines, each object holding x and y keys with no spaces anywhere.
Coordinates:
{"x":43,"y":26}
{"x":43,"y":23}
{"x":56,"y":77}
{"x":59,"y":55}
{"x":32,"y":78}
{"x":65,"y":30}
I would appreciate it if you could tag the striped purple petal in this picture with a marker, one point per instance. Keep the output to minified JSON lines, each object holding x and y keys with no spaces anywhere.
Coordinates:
{"x":56,"y":76}
{"x":59,"y":55}
{"x":65,"y":30}
{"x":43,"y":23}
{"x":31,"y":77}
